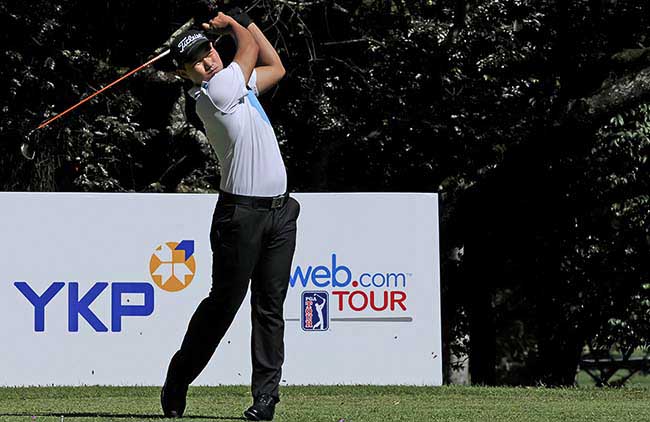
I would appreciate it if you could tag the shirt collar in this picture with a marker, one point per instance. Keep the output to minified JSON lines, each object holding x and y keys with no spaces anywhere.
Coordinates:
{"x":195,"y":91}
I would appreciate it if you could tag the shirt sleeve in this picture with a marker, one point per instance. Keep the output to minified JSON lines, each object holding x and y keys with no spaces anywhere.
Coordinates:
{"x":252,"y":83}
{"x":226,"y":88}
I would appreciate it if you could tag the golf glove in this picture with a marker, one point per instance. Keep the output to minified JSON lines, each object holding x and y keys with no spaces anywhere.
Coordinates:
{"x":240,"y":16}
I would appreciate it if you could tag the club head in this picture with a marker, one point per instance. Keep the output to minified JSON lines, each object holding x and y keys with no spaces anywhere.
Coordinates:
{"x":27,"y":151}
{"x":26,"y":148}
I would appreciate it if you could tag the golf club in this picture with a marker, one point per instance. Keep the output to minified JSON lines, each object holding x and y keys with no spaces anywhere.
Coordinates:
{"x":28,"y":152}
{"x":205,"y":9}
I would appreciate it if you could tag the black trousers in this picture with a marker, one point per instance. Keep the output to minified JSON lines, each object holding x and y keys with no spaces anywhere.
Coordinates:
{"x":248,"y":243}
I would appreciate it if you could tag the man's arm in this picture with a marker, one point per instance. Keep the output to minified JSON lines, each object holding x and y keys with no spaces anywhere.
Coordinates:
{"x":271,"y":69}
{"x":247,"y":48}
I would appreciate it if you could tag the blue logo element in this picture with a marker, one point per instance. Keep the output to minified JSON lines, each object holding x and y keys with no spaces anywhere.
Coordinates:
{"x":314,"y":311}
{"x":256,"y":104}
{"x":187,"y":246}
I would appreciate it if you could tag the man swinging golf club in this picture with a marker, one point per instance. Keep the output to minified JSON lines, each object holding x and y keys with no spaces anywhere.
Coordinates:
{"x":254,"y":224}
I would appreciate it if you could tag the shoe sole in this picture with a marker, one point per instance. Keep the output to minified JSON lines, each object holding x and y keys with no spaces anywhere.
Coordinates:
{"x":253,"y":417}
{"x":172,"y":414}
{"x":250,"y":416}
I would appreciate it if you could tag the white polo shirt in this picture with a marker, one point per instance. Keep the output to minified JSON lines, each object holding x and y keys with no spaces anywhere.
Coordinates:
{"x":241,"y":134}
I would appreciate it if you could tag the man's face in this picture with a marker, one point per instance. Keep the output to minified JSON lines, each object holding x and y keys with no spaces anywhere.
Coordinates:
{"x":205,"y":67}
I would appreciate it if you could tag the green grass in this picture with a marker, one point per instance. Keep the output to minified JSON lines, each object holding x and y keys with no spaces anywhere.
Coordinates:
{"x":332,"y":404}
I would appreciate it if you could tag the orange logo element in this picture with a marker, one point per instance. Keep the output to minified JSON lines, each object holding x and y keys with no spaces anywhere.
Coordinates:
{"x":172,"y":265}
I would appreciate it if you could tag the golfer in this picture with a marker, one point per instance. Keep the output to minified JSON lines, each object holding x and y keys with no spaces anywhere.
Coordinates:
{"x":254,"y":224}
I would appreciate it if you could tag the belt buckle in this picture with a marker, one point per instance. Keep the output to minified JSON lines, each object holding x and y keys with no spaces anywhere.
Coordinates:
{"x":277,"y":202}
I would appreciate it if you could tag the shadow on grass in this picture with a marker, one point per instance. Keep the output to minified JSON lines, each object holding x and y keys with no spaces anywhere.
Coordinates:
{"x":72,"y":415}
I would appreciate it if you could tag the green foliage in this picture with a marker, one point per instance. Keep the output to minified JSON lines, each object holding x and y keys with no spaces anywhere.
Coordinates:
{"x":613,"y":249}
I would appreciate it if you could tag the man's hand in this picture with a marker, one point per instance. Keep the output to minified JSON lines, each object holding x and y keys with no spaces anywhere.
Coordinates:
{"x":220,"y":22}
{"x":201,"y":10}
{"x":240,"y":16}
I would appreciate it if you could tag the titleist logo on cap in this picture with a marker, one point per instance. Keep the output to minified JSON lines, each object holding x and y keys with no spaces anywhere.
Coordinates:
{"x":185,"y":42}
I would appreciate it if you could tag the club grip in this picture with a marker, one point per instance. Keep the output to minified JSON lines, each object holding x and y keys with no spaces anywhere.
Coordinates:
{"x":203,"y":11}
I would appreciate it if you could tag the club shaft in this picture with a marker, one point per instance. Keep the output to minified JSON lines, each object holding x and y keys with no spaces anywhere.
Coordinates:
{"x":88,"y":98}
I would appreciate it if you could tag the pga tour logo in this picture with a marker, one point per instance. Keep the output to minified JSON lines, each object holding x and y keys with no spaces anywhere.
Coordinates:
{"x":314,"y":312}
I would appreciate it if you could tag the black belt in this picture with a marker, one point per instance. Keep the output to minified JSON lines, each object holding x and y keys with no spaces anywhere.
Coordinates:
{"x":266,"y":202}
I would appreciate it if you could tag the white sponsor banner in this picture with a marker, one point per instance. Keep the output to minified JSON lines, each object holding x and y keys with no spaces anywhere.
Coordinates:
{"x":99,"y":289}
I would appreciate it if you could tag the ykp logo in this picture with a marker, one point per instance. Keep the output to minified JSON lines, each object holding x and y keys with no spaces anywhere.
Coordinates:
{"x":81,"y":306}
{"x":172,"y":267}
